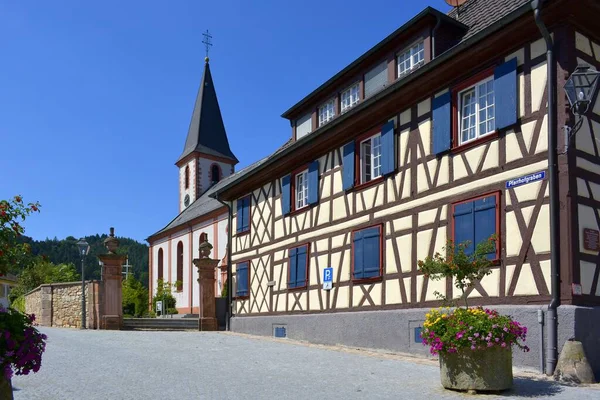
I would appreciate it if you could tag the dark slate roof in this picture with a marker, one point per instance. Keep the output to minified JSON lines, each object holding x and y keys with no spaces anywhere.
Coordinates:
{"x":206,"y":133}
{"x":205,"y":203}
{"x":479,"y":14}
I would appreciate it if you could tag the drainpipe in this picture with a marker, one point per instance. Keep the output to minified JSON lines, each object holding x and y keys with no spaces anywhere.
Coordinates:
{"x":552,"y":345}
{"x":229,"y":206}
{"x":435,"y":28}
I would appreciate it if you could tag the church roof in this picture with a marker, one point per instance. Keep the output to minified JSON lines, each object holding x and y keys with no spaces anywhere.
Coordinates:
{"x":206,"y":133}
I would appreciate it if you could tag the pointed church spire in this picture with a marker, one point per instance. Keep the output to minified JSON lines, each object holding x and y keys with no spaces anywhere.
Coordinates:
{"x":206,"y":133}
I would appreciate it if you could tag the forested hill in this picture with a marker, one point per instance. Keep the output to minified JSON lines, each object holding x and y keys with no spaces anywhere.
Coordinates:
{"x":65,"y":251}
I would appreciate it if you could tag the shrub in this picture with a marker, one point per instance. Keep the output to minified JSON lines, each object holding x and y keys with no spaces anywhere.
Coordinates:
{"x":19,"y":304}
{"x":21,"y":345}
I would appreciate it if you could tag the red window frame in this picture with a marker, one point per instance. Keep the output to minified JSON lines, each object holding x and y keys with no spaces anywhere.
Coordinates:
{"x":293,"y":175}
{"x":179,"y":276}
{"x":307,"y":245}
{"x":375,"y":278}
{"x":358,"y":183}
{"x":247,"y":231}
{"x":187,"y":176}
{"x":455,"y":109}
{"x":498,"y":228}
{"x":160,"y":270}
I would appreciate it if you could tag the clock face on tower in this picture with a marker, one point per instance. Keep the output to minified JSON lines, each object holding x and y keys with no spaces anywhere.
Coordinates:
{"x":186,"y":200}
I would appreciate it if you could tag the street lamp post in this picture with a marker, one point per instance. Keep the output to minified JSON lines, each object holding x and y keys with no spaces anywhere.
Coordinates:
{"x":84,"y":249}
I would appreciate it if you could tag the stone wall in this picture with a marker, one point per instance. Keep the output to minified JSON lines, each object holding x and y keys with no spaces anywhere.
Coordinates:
{"x":33,"y":302}
{"x":59,"y":304}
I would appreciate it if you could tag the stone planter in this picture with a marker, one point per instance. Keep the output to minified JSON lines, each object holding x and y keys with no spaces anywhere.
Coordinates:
{"x":6,"y":392}
{"x":482,"y":370}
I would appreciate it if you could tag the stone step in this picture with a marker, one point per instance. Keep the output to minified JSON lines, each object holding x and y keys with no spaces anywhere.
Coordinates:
{"x":160,"y":323}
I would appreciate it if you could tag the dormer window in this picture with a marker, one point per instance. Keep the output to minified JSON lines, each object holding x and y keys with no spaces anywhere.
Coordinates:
{"x":349,"y":97}
{"x":411,"y":59}
{"x":326,"y":112}
{"x":303,"y":126}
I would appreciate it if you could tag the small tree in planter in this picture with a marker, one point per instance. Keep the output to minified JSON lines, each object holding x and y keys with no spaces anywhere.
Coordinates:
{"x":474,"y":344}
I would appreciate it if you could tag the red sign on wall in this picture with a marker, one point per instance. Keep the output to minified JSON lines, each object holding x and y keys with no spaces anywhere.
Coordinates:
{"x":591,"y":239}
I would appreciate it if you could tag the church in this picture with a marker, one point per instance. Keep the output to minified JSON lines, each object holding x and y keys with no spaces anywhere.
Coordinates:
{"x":206,"y":162}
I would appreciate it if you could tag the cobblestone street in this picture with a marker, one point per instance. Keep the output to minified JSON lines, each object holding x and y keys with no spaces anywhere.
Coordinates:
{"x":112,"y":365}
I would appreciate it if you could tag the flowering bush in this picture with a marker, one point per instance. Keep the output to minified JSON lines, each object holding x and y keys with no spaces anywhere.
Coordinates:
{"x":470,"y":328}
{"x":21,"y":344}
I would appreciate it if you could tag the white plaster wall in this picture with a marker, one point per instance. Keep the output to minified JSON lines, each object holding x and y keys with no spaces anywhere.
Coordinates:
{"x":181,"y":297}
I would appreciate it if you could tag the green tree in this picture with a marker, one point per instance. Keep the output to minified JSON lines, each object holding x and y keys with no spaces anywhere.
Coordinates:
{"x":42,"y":271}
{"x":135,"y":297}
{"x":14,"y":253}
{"x":164,"y":293}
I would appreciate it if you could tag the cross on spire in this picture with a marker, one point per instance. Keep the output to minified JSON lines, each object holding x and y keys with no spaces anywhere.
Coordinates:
{"x":207,"y":43}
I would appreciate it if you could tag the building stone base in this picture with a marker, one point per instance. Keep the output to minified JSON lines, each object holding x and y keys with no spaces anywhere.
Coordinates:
{"x":394,"y":330}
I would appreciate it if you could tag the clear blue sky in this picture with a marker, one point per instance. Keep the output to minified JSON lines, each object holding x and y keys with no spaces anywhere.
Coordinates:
{"x":96,"y":97}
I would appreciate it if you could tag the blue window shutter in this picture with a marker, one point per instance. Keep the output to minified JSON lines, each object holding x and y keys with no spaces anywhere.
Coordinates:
{"x":313,"y":182}
{"x":348,"y":162}
{"x":240,"y":215}
{"x":301,"y":266}
{"x":464,"y":225}
{"x":505,"y":93}
{"x":246,"y":219}
{"x":388,"y":153}
{"x":371,"y":252}
{"x":293,"y":254}
{"x":358,"y":256}
{"x":242,"y":279}
{"x":485,"y":221}
{"x":285,"y":194}
{"x":442,"y":132}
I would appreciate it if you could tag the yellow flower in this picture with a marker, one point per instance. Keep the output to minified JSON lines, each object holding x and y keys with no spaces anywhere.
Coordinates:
{"x":444,"y":316}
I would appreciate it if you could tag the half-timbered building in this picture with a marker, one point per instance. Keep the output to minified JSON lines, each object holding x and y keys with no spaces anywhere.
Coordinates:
{"x":439,"y":132}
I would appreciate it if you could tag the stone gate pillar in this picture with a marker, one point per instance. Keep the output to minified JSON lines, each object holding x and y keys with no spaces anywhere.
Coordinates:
{"x":207,"y":320}
{"x":112,"y":295}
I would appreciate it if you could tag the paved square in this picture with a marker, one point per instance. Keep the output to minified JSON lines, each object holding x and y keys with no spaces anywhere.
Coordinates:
{"x":123,"y":365}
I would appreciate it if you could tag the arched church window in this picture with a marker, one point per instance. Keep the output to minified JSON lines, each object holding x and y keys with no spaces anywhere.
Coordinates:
{"x":179,"y":266}
{"x":187,"y":177}
{"x":160,"y":263}
{"x":215,"y":173}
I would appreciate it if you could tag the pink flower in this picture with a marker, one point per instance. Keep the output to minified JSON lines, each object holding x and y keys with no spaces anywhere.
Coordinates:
{"x":476,"y":334}
{"x":490,"y":344}
{"x":473,"y":347}
{"x":497,"y":340}
{"x":503,"y":344}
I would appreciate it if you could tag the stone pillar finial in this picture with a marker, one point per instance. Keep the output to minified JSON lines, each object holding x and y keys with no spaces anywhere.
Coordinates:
{"x":111,"y":242}
{"x":205,"y":247}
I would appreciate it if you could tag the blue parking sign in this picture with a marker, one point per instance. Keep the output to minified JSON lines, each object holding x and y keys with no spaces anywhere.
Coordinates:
{"x":328,"y":278}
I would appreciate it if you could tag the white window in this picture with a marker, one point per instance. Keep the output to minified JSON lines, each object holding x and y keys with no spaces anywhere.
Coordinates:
{"x":370,"y":158}
{"x":326,"y":112}
{"x":349,"y":97}
{"x":476,"y":111}
{"x":301,"y":189}
{"x":411,"y":59}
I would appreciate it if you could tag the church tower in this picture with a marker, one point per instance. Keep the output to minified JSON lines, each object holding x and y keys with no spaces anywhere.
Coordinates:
{"x":206,"y":157}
